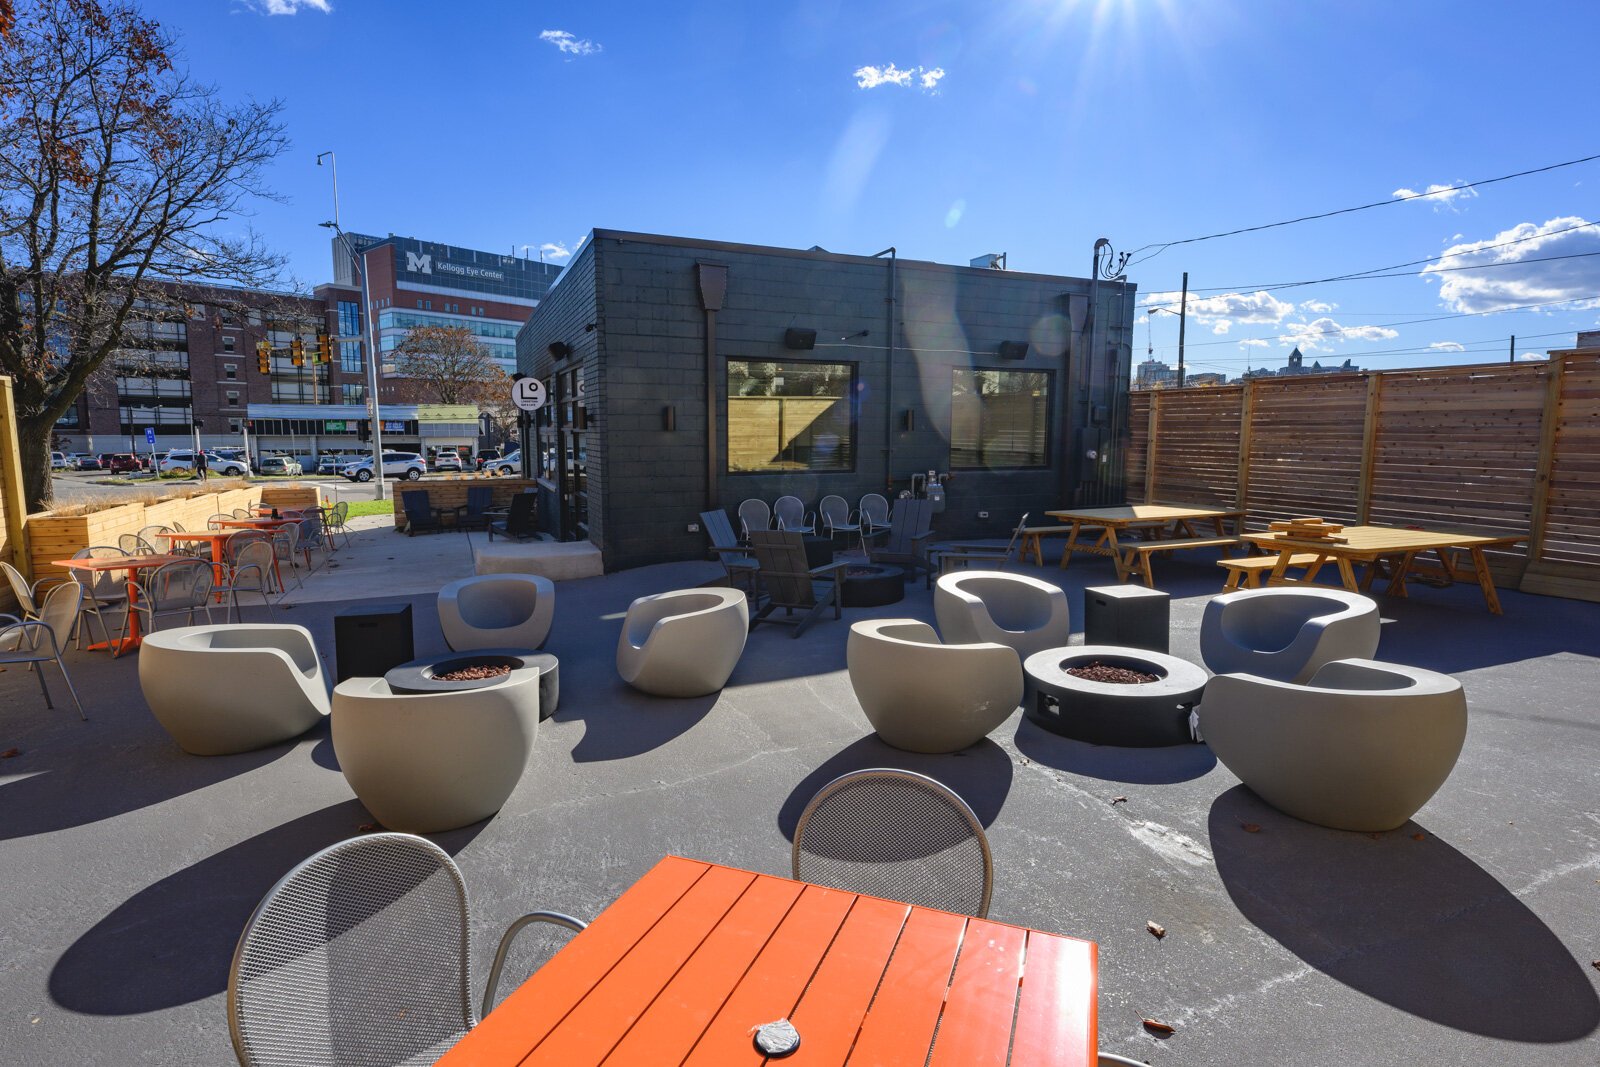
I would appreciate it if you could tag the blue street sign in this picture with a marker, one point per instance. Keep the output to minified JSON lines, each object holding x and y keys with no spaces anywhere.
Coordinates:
{"x":149,"y":435}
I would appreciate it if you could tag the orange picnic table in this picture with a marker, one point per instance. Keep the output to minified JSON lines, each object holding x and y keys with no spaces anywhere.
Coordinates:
{"x":687,"y":963}
{"x":133,"y":565}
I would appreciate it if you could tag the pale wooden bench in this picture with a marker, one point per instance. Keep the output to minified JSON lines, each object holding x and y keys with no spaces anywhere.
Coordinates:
{"x":1251,"y":568}
{"x":1031,"y":536}
{"x":1137,"y":559}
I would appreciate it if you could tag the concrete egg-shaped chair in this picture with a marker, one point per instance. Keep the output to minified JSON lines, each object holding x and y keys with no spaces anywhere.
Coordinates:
{"x":497,"y":611}
{"x":1023,"y":613}
{"x":1362,"y":746}
{"x":683,"y":643}
{"x":232,"y":688}
{"x":924,"y":696}
{"x":1286,"y":634}
{"x":428,"y":762}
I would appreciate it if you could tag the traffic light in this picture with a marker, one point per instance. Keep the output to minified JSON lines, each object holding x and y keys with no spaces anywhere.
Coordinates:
{"x":264,"y":357}
{"x":363,"y":430}
{"x":324,"y":348}
{"x":297,"y":352}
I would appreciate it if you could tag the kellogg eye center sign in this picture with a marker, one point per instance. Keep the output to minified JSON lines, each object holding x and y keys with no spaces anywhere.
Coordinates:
{"x":423,"y":263}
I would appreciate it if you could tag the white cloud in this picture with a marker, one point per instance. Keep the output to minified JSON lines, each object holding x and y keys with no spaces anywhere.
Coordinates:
{"x":1221,"y":327}
{"x":1518,"y":281}
{"x":1238,"y":307}
{"x":1440,"y":196}
{"x":290,"y":7}
{"x":554,"y":250}
{"x":1254,"y":342}
{"x":870,"y":77}
{"x":1318,"y":307}
{"x":1448,"y":346}
{"x":1319,"y":334}
{"x":570,"y":44}
{"x":1534,"y":355}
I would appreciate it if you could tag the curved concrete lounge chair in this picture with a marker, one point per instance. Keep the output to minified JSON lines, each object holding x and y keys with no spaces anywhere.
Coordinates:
{"x":1286,"y":634}
{"x":426,"y":762}
{"x":497,"y":611}
{"x":223,"y":689}
{"x":923,"y":696}
{"x":1014,"y":610}
{"x":1361,"y":747}
{"x":683,"y":643}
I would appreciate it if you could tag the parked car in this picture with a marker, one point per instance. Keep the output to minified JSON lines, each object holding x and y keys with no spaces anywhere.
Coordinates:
{"x":406,"y":465}
{"x":86,"y":462}
{"x":183,"y":459}
{"x":58,"y":461}
{"x":125,"y":463}
{"x":280,"y":465}
{"x":331,"y":464}
{"x":447,"y":461}
{"x":508,"y":464}
{"x":487,"y":456}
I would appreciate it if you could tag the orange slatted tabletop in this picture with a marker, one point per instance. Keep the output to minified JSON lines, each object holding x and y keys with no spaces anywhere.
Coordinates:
{"x":133,"y":565}
{"x":687,"y":963}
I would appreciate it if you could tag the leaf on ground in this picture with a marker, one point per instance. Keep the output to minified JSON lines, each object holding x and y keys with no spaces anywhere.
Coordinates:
{"x":1157,"y":1027}
{"x":1419,"y":837}
{"x":1155,"y":928}
{"x":1251,"y":827}
{"x":10,"y":752}
{"x":1119,"y":800}
{"x":367,"y":827}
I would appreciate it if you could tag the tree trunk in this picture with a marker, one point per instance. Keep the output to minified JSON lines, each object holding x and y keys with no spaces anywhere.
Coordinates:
{"x":33,"y":445}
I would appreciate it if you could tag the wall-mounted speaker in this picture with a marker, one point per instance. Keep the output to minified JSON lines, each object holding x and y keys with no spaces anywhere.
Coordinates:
{"x":799,"y":339}
{"x":560,"y":349}
{"x":1013,"y":350}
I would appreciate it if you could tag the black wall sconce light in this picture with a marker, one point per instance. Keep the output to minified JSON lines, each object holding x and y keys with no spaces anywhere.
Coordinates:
{"x":560,"y":349}
{"x":799,"y":339}
{"x":589,"y":327}
{"x":580,"y":418}
{"x":669,"y":417}
{"x":1013,"y":350}
{"x":908,"y":421}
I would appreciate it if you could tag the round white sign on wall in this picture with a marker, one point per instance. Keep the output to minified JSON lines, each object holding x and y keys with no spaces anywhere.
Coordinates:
{"x":528,"y":394}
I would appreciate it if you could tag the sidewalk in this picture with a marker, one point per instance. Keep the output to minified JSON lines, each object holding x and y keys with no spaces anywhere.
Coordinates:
{"x":380,"y":562}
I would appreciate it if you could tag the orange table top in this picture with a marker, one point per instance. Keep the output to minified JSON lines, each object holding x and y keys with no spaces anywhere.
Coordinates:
{"x":125,"y":563}
{"x":685,"y":965}
{"x":259,"y":523}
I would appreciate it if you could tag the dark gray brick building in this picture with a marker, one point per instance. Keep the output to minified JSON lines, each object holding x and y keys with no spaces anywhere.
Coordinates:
{"x":688,"y":374}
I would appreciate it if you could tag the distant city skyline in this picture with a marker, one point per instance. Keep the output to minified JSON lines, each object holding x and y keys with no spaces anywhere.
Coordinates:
{"x":954,"y":130}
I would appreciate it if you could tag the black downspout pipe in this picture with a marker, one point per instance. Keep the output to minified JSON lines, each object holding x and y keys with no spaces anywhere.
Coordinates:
{"x":713,"y":283}
{"x":888,"y":382}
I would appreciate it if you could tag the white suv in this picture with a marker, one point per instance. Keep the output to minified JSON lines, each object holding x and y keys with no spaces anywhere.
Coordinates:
{"x":447,"y":461}
{"x":183,"y":459}
{"x":406,"y":465}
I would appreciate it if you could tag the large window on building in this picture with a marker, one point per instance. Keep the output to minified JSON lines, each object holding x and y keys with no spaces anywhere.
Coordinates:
{"x":791,"y":416}
{"x":1000,"y":418}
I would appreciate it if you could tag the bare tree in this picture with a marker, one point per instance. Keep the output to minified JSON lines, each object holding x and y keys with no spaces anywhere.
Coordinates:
{"x":115,"y":170}
{"x":445,"y":365}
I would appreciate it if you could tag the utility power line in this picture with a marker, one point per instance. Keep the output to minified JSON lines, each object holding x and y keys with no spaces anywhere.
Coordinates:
{"x":1162,"y":247}
{"x":1491,"y":344}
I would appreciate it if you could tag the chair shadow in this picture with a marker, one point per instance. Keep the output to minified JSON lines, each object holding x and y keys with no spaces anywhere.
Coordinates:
{"x":1413,"y":923}
{"x":632,"y":723}
{"x":1164,"y":765}
{"x":90,"y":790}
{"x":322,"y":754}
{"x":979,"y":775}
{"x":172,"y":942}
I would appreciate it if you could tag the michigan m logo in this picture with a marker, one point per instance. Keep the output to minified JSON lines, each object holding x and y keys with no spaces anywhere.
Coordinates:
{"x":419,"y":264}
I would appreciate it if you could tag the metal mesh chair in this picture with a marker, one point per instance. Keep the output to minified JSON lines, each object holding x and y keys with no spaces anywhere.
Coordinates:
{"x":286,"y":546}
{"x":360,"y":955}
{"x":28,"y":594}
{"x":35,"y":641}
{"x":106,"y":589}
{"x":338,"y":517}
{"x":790,"y":514}
{"x":250,"y":570}
{"x":135,"y":545}
{"x":753,"y":515}
{"x":181,"y":586}
{"x":895,"y":834}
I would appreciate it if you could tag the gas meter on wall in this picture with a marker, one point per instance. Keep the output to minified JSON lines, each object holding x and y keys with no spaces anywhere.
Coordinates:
{"x":935,"y":493}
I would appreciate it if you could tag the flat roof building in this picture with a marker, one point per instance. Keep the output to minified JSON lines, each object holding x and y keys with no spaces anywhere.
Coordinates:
{"x":684,"y":375}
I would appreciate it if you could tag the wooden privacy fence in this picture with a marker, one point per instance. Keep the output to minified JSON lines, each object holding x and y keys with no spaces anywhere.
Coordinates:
{"x":1498,"y":449}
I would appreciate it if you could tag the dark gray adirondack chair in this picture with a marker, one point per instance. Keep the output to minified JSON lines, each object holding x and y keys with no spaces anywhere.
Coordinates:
{"x":473,"y":514}
{"x":950,"y":556}
{"x":734,"y":557}
{"x":518,"y":523}
{"x":421,"y":515}
{"x":790,"y":584}
{"x":906,"y":543}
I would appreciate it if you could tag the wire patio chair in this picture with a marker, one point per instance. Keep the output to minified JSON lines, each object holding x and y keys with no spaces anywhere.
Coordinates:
{"x":183,"y":585}
{"x":38,"y":641}
{"x":106,"y":590}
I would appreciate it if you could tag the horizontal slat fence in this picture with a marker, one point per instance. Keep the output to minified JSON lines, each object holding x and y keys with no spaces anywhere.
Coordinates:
{"x":1498,"y":449}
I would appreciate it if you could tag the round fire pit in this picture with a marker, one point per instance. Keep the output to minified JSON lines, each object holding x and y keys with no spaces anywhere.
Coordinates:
{"x":872,"y":585}
{"x":423,"y":675}
{"x":1132,"y":713}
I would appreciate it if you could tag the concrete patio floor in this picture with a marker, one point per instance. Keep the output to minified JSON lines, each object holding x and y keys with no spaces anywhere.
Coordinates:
{"x":1465,"y":937}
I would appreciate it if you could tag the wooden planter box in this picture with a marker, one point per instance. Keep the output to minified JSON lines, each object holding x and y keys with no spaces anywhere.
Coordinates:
{"x":291,"y":496}
{"x":52,"y":537}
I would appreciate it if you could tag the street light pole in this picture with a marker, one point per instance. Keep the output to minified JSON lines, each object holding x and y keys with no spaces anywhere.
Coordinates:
{"x":1183,"y":317}
{"x":371,"y":331}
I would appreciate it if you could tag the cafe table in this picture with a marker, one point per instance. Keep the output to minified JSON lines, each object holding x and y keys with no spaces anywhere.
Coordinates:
{"x":133,"y":565}
{"x":690,"y":961}
{"x":1395,"y":546}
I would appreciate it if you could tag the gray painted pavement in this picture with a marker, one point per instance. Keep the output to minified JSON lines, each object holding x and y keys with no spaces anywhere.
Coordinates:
{"x":1465,"y":937}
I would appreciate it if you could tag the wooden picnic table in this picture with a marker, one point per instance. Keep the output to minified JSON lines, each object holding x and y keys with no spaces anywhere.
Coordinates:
{"x":133,"y":565}
{"x":1395,"y":546}
{"x":687,"y":963}
{"x":1157,"y":522}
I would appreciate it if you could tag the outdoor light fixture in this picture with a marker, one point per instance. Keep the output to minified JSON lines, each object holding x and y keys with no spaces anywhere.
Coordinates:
{"x":560,"y":349}
{"x":588,"y":327}
{"x":1013,"y":350}
{"x":669,"y":417}
{"x":799,"y":339}
{"x":909,"y":421}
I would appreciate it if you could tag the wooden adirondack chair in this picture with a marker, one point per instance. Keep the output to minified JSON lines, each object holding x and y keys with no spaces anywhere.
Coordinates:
{"x":790,"y":584}
{"x":906,"y":543}
{"x":734,"y":557}
{"x":518,"y":523}
{"x":950,"y":556}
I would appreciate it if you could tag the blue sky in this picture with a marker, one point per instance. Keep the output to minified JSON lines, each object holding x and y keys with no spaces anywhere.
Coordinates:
{"x":1030,"y":127}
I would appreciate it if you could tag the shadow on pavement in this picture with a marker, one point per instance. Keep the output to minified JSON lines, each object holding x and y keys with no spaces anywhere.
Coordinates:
{"x":1412,"y":923}
{"x":1110,"y":763}
{"x":980,"y":775}
{"x":172,"y":942}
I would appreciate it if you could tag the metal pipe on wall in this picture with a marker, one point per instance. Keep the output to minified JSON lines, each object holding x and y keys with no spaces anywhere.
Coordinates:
{"x":888,"y":381}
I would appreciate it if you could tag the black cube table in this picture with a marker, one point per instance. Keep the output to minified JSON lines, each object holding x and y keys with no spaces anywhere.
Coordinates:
{"x":370,"y":639}
{"x":1129,"y":616}
{"x":1102,"y":713}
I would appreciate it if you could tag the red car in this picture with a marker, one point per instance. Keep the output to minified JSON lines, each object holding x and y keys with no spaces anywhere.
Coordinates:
{"x":125,"y":463}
